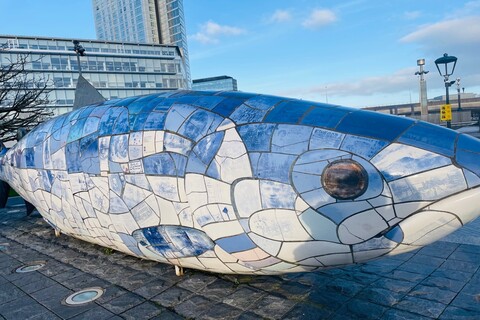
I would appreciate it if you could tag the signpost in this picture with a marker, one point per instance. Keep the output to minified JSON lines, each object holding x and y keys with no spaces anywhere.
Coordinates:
{"x":446,"y":112}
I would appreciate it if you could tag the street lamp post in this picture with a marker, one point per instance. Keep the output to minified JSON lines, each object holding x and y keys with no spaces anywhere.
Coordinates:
{"x":423,"y":90}
{"x":445,"y":60}
{"x":80,"y":51}
{"x":458,"y":95}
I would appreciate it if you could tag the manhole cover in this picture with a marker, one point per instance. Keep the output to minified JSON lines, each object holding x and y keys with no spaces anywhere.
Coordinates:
{"x":34,"y":266}
{"x":84,"y":296}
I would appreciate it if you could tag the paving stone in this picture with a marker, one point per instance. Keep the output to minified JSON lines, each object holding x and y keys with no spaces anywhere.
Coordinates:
{"x":134,"y":281}
{"x":453,"y":274}
{"x":196,"y":282}
{"x":123,"y":302}
{"x":467,"y":301}
{"x":469,"y":248}
{"x":67,"y":275}
{"x":359,"y":309}
{"x":313,"y":279}
{"x":466,"y":256}
{"x":97,"y":313}
{"x":422,"y":307}
{"x":9,"y":292}
{"x":345,"y":287}
{"x":472,"y":288}
{"x":293,"y":290}
{"x":166,"y":314}
{"x":38,"y":285}
{"x":433,"y":293}
{"x":327,"y":300}
{"x":395,"y":285}
{"x":380,"y":296}
{"x":416,"y":267}
{"x":360,"y":277}
{"x":221,"y":311}
{"x":218,"y":290}
{"x":83,"y":281}
{"x":266,"y":283}
{"x":405,"y":275}
{"x":307,"y":311}
{"x":172,"y":297}
{"x":444,"y":283}
{"x":440,"y":250}
{"x":454,"y":313}
{"x":272,"y":307}
{"x":248,"y":316}
{"x":460,"y":265}
{"x":145,"y":310}
{"x":109,"y":293}
{"x":243,"y":297}
{"x":193,"y":306}
{"x":394,"y":314}
{"x":152,"y":288}
{"x":25,"y":308}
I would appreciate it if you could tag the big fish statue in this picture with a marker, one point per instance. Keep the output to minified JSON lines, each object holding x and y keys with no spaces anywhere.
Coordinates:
{"x":232,"y":182}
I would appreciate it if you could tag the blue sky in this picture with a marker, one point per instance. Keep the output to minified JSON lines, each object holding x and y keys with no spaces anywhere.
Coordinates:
{"x":356,"y":53}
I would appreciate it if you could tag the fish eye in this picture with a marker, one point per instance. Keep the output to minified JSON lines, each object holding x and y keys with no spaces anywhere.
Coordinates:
{"x":344,"y":179}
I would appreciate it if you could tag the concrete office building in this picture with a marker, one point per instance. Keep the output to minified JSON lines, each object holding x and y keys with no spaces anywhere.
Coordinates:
{"x":224,"y":83}
{"x":116,"y":69}
{"x":143,"y":21}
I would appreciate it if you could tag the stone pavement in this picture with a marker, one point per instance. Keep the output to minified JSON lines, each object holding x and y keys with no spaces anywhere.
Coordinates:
{"x":439,"y":281}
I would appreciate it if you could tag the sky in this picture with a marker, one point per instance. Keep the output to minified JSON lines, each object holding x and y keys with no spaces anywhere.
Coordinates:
{"x":355,"y":53}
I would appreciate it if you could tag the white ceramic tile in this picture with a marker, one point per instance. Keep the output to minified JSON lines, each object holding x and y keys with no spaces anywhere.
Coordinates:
{"x":472,"y":179}
{"x":223,"y":229}
{"x":318,"y":226}
{"x":159,"y":143}
{"x":430,"y":185}
{"x":404,"y":210}
{"x":247,"y":197}
{"x":297,"y":251}
{"x":225,"y":125}
{"x":361,"y":226}
{"x":276,"y":195}
{"x":336,"y":259}
{"x":149,"y":143}
{"x":165,"y":187}
{"x":464,"y":205}
{"x":168,"y":213}
{"x":278,"y":224}
{"x":387,"y":212}
{"x":428,"y":226}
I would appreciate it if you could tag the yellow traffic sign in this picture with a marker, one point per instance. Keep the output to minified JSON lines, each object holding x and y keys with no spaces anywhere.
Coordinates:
{"x":446,"y":112}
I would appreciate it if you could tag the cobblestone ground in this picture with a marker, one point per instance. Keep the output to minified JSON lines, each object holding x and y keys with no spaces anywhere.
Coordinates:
{"x":439,"y":281}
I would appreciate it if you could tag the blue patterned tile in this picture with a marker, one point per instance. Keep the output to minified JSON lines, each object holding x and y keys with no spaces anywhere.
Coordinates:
{"x":208,"y":147}
{"x":227,"y":106}
{"x":363,"y":147}
{"x":274,"y":166}
{"x":325,"y":139}
{"x":430,"y":137}
{"x":374,"y":125}
{"x":245,"y":114}
{"x":288,"y":112}
{"x":155,"y":121}
{"x":257,"y":137}
{"x":325,"y":117}
{"x":209,"y":102}
{"x":237,"y":243}
{"x":263,"y":102}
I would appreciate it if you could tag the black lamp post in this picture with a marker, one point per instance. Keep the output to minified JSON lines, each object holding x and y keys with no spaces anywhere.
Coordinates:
{"x":80,"y":51}
{"x":445,"y":60}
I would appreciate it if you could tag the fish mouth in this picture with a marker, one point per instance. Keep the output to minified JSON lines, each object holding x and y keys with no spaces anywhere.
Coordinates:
{"x":435,"y":221}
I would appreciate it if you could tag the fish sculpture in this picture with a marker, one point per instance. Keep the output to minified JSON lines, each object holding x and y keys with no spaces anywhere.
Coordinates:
{"x":240,"y":183}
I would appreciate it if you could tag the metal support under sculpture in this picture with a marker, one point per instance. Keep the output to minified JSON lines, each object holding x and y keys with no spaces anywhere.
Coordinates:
{"x":233,"y":182}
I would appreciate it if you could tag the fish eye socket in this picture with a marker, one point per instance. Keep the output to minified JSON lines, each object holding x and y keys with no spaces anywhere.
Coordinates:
{"x":344,"y":179}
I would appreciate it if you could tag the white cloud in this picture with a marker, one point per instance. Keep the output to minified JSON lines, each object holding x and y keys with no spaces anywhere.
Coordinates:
{"x":412,"y":15}
{"x":455,"y":31}
{"x":210,"y":32}
{"x":280,"y":16}
{"x":319,"y":18}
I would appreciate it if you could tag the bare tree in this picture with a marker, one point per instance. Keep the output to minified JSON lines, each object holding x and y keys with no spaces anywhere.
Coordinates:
{"x":22,"y":98}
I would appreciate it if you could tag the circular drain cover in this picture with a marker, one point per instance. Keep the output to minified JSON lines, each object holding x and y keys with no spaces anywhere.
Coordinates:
{"x":84,"y":296}
{"x":34,"y":266}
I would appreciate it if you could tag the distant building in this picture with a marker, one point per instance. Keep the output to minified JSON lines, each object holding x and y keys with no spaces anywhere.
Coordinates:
{"x":215,"y":83}
{"x":143,"y":21}
{"x":116,"y":69}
